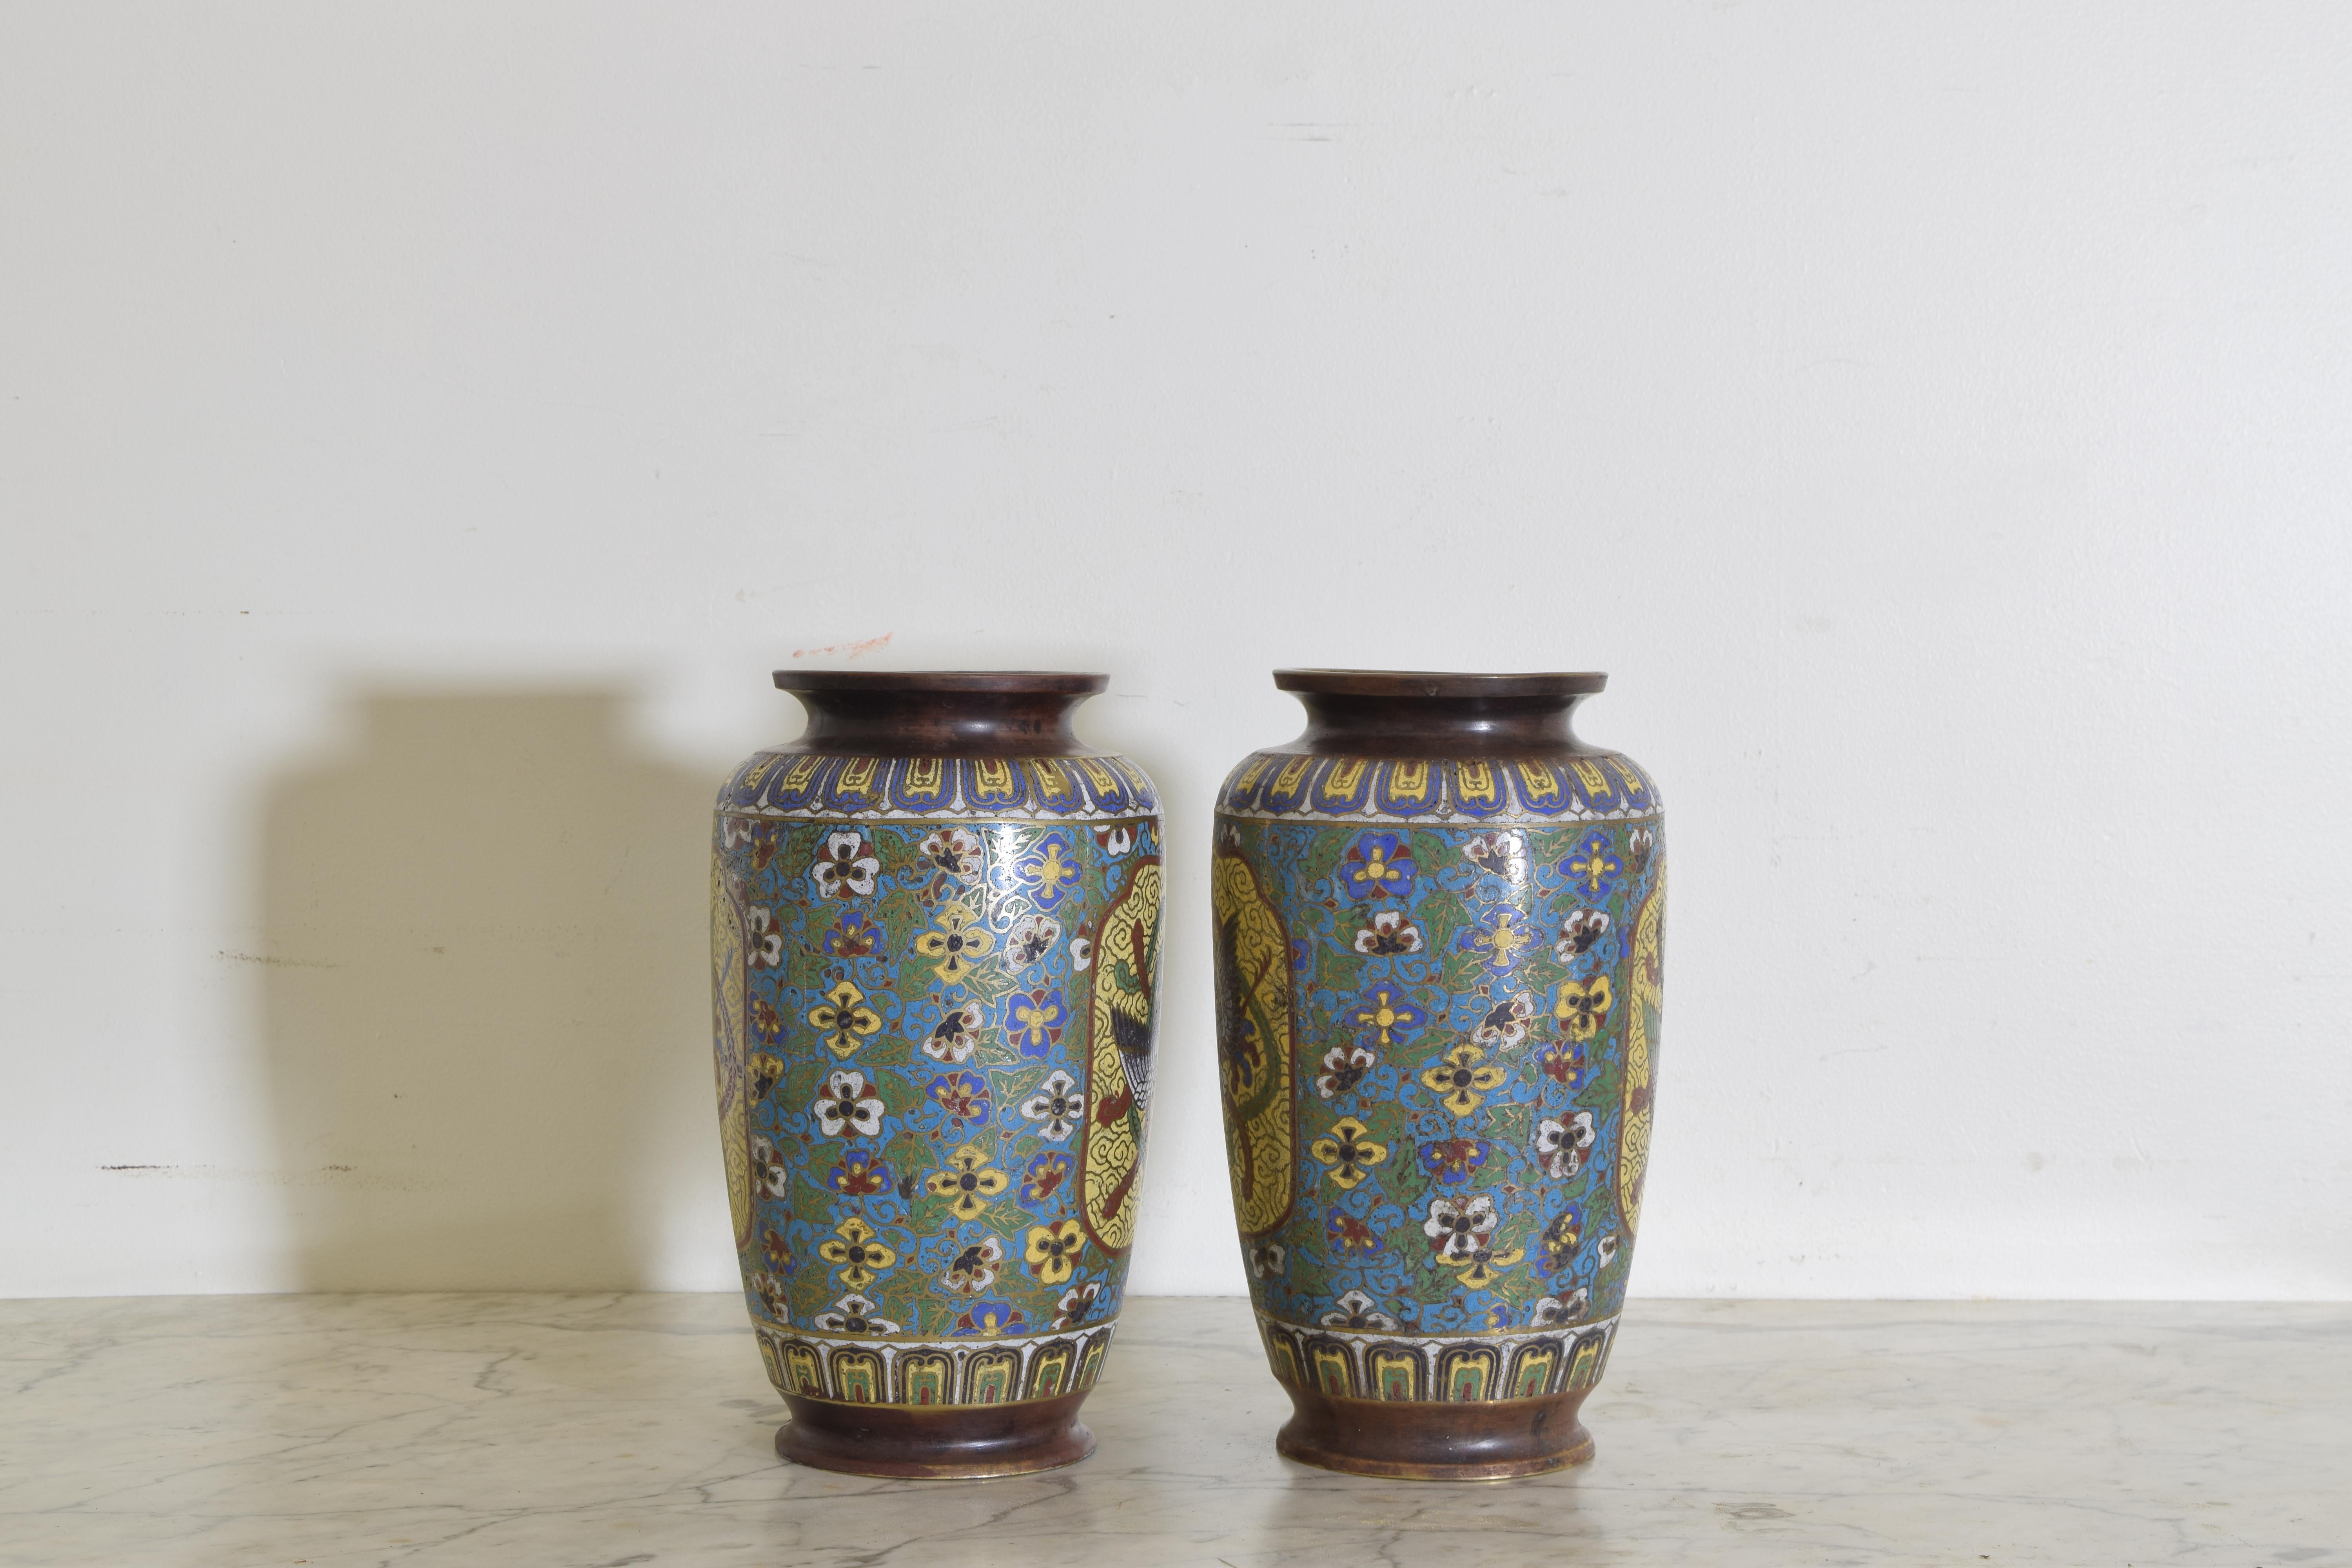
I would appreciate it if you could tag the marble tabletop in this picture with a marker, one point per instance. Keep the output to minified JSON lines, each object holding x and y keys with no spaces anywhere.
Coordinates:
{"x":598,"y":1431}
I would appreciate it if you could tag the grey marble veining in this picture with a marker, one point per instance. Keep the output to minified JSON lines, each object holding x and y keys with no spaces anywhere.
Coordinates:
{"x":591,"y":1432}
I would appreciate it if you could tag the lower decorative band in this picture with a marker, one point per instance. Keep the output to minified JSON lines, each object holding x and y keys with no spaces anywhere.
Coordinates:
{"x":934,"y":1371}
{"x":1463,"y":1368}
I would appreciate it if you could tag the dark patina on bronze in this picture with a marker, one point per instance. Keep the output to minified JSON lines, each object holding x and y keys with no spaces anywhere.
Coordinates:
{"x":1428,"y":713}
{"x":959,"y":1443}
{"x":1497,"y":1441}
{"x":941,"y":712}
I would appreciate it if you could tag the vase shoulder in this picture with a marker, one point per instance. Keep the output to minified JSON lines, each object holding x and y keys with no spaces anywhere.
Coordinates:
{"x":1555,"y":785}
{"x":793,"y":782}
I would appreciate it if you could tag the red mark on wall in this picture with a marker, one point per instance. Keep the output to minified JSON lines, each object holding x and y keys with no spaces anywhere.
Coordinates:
{"x":847,"y":649}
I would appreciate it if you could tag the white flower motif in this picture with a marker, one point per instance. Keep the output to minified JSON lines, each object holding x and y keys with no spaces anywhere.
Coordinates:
{"x":1266,"y":1260}
{"x":1058,"y":1104}
{"x":1505,"y":1023}
{"x":767,"y":938}
{"x":1116,"y":841}
{"x":1458,"y":1230}
{"x":953,"y":852}
{"x":854,"y":1314}
{"x":1032,"y":937}
{"x":974,"y":1268}
{"x":1082,"y":953}
{"x":1503,"y":855}
{"x":1556,"y":1310}
{"x":1076,"y":1305}
{"x":848,"y":867}
{"x":1344,"y":1067}
{"x":955,"y":1035}
{"x":1356,"y":1310}
{"x":1580,"y":933}
{"x":1606,"y":1248}
{"x":848,"y":1102}
{"x":1560,"y":1145}
{"x":1389,"y":933}
{"x":768,"y":1171}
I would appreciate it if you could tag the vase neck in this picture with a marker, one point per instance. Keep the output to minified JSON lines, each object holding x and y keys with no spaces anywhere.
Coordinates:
{"x":1439,"y":726}
{"x":1404,"y":713}
{"x":943,"y":713}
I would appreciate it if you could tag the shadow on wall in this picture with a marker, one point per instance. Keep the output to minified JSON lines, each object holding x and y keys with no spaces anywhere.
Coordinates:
{"x":486,"y":998}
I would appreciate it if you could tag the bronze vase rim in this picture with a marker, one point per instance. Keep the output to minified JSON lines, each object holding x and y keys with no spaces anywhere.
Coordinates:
{"x":942,"y":712}
{"x":1069,"y":682}
{"x":1442,"y":683}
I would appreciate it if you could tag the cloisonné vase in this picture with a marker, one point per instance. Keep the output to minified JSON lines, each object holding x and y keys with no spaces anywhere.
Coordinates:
{"x":935,"y":925}
{"x":1439,"y":919}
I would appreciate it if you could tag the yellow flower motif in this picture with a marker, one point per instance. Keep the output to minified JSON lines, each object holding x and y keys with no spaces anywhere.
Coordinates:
{"x":955,"y":944}
{"x":1053,"y":1250}
{"x":843,"y":1019}
{"x":1478,"y":1268}
{"x":1461,"y":1085}
{"x":1349,"y":1151}
{"x":969,"y":1181}
{"x":856,"y":1254}
{"x":765,"y":1072}
{"x":1582,"y":1007}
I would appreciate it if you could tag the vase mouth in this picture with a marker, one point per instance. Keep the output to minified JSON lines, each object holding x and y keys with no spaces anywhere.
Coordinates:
{"x":1076,"y":683}
{"x":1440,"y":682}
{"x":942,"y":712}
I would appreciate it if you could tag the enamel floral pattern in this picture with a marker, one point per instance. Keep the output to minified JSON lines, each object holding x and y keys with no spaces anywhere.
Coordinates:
{"x":934,"y":1040}
{"x":1438,"y":1002}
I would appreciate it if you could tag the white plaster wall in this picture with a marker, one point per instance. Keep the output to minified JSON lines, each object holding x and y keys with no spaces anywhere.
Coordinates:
{"x":1935,"y":418}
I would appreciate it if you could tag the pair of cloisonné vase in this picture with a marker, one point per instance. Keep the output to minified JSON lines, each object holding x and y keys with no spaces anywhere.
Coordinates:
{"x":936,"y":923}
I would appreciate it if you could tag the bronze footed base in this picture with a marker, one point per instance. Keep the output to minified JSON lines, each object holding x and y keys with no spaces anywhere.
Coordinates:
{"x":955,"y":1442}
{"x":1496,"y":1440}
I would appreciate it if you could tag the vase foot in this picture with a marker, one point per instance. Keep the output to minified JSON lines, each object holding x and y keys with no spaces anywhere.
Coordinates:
{"x":1495,"y":1441}
{"x":955,"y":1442}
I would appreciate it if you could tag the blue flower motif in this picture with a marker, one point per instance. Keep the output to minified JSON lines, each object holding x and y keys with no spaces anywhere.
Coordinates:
{"x":1351,"y":1239}
{"x":858,"y":936}
{"x":1385,"y":1012}
{"x":957,"y":1100}
{"x":1042,"y":1177}
{"x":1050,"y":871}
{"x":1378,"y":866}
{"x":1592,"y":867}
{"x":988,"y":1317}
{"x":1556,"y":1249}
{"x":1453,"y":1159}
{"x":1499,"y":939}
{"x":1036,"y":1019}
